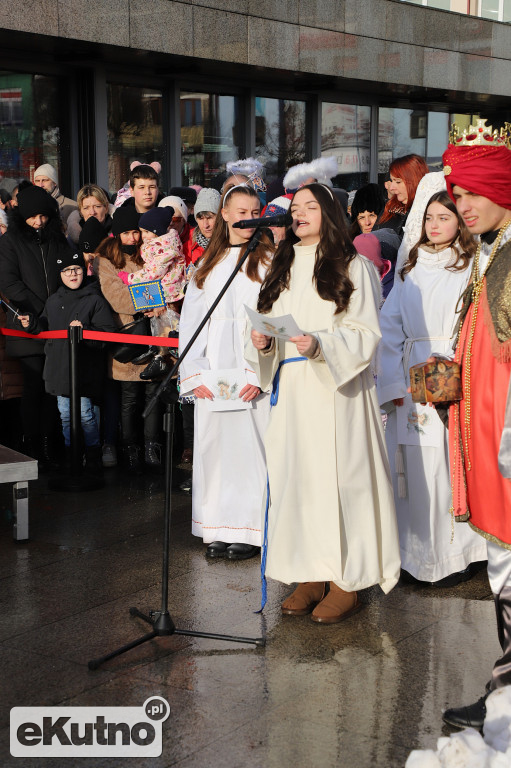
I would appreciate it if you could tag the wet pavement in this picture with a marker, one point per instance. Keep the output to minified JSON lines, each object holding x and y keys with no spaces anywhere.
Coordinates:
{"x":362,"y":694}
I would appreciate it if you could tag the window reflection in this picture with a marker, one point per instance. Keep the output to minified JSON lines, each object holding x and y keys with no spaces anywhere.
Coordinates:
{"x":210,"y":135}
{"x":346,"y":135}
{"x":134,"y":130}
{"x":280,"y":135}
{"x":30,"y":122}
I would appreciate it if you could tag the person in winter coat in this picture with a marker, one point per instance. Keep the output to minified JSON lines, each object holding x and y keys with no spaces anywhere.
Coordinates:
{"x":92,"y":203}
{"x":205,"y":211}
{"x":46,"y":177}
{"x":29,"y":274}
{"x":78,"y":301}
{"x":122,"y":252}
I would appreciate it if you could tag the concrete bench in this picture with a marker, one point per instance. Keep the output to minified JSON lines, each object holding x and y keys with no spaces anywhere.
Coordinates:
{"x":18,"y":469}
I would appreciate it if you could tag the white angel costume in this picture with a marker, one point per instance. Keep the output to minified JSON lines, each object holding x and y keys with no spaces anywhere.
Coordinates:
{"x":229,"y":469}
{"x":331,"y":515}
{"x":418,"y":320}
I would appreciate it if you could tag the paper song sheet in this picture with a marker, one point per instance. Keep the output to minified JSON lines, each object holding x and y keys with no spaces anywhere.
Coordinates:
{"x":283,"y":327}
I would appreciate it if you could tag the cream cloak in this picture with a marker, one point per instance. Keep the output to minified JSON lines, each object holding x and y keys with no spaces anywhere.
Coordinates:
{"x":331,"y":516}
{"x":229,"y":468}
{"x":417,"y":320}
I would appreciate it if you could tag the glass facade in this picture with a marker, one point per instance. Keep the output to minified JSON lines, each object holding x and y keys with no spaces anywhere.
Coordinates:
{"x":280,"y":135}
{"x":346,"y":135}
{"x":410,"y":131}
{"x":135,"y":130}
{"x":31,"y":121}
{"x":34,"y":130}
{"x":211,"y":135}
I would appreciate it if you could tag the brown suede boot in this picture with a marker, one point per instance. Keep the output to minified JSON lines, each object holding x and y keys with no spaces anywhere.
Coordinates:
{"x":304,"y":598}
{"x":336,"y":606}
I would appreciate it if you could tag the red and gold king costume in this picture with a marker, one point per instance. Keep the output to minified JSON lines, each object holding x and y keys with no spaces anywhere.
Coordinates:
{"x":480,"y":162}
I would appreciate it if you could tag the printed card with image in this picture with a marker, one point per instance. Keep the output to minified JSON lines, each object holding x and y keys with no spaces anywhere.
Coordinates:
{"x":147,"y":295}
{"x":226,"y":385}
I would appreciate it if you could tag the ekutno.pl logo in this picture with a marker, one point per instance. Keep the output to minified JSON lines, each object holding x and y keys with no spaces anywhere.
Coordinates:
{"x":89,"y":731}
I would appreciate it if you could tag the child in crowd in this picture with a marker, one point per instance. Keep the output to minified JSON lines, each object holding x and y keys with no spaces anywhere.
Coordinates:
{"x":125,"y":195}
{"x":143,"y":188}
{"x":78,"y":301}
{"x":418,"y":320}
{"x":331,"y":522}
{"x":229,"y":474}
{"x":91,"y":235}
{"x":180,"y":223}
{"x":164,"y":261}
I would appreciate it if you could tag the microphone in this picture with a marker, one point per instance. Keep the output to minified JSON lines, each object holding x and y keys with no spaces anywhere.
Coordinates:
{"x":282,"y":220}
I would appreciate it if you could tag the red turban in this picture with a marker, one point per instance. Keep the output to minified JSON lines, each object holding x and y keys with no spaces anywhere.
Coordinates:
{"x":482,"y":170}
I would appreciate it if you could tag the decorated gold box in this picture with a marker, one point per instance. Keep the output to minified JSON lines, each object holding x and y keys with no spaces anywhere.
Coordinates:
{"x":437,"y":381}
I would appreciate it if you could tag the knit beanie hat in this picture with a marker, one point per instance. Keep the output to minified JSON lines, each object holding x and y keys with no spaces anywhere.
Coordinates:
{"x":176,"y":203}
{"x":207,"y":200}
{"x":47,"y":170}
{"x":277,"y":207}
{"x":125,"y":219}
{"x":34,"y":201}
{"x":367,"y":198}
{"x":188,"y":194}
{"x":91,"y":235}
{"x":157,"y":220}
{"x":70,"y":258}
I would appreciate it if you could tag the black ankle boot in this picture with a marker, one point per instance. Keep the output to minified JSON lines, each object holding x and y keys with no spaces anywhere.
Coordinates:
{"x":132,"y":461}
{"x":46,"y":458}
{"x":153,"y":457}
{"x":156,"y":369}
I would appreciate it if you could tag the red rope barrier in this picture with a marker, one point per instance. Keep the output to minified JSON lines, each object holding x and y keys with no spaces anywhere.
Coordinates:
{"x":124,"y":338}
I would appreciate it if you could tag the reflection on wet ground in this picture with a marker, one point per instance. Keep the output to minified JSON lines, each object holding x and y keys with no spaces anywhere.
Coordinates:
{"x":359,"y":694}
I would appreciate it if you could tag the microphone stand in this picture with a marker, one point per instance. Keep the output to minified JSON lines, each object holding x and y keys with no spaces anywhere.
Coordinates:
{"x":161,"y":621}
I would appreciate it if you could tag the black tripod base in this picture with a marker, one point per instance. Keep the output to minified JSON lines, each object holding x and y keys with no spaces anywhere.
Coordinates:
{"x":163,"y":626}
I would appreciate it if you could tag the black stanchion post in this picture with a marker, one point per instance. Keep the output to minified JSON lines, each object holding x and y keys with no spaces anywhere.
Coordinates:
{"x":76,"y":480}
{"x":74,"y":337}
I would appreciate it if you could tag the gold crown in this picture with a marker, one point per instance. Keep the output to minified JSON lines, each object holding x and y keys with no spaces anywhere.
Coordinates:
{"x":480,"y":135}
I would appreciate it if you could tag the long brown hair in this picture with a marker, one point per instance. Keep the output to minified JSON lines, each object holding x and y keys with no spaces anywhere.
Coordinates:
{"x":334,"y":253}
{"x":219,"y":243}
{"x":110,"y":248}
{"x":411,"y":169}
{"x":462,"y":243}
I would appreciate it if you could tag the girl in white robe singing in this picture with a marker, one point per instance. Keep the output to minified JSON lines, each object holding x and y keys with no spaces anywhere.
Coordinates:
{"x":229,"y":469}
{"x":331,"y":521}
{"x":418,"y":320}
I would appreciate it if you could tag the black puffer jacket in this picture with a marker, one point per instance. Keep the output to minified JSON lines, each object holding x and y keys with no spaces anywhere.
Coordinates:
{"x":29,"y":273}
{"x":87,"y":305}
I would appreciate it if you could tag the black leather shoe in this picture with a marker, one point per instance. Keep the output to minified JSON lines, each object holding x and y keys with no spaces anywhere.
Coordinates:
{"x":241,"y":551}
{"x":467,"y":717}
{"x":156,"y":369}
{"x":146,"y":355}
{"x":216,"y":549}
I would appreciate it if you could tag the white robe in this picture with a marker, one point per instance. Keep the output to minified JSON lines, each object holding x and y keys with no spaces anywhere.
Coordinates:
{"x":229,"y":468}
{"x":331,"y":516}
{"x":417,"y":320}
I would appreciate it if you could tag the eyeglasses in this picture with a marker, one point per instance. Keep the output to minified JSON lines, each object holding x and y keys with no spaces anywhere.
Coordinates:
{"x":72,"y":271}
